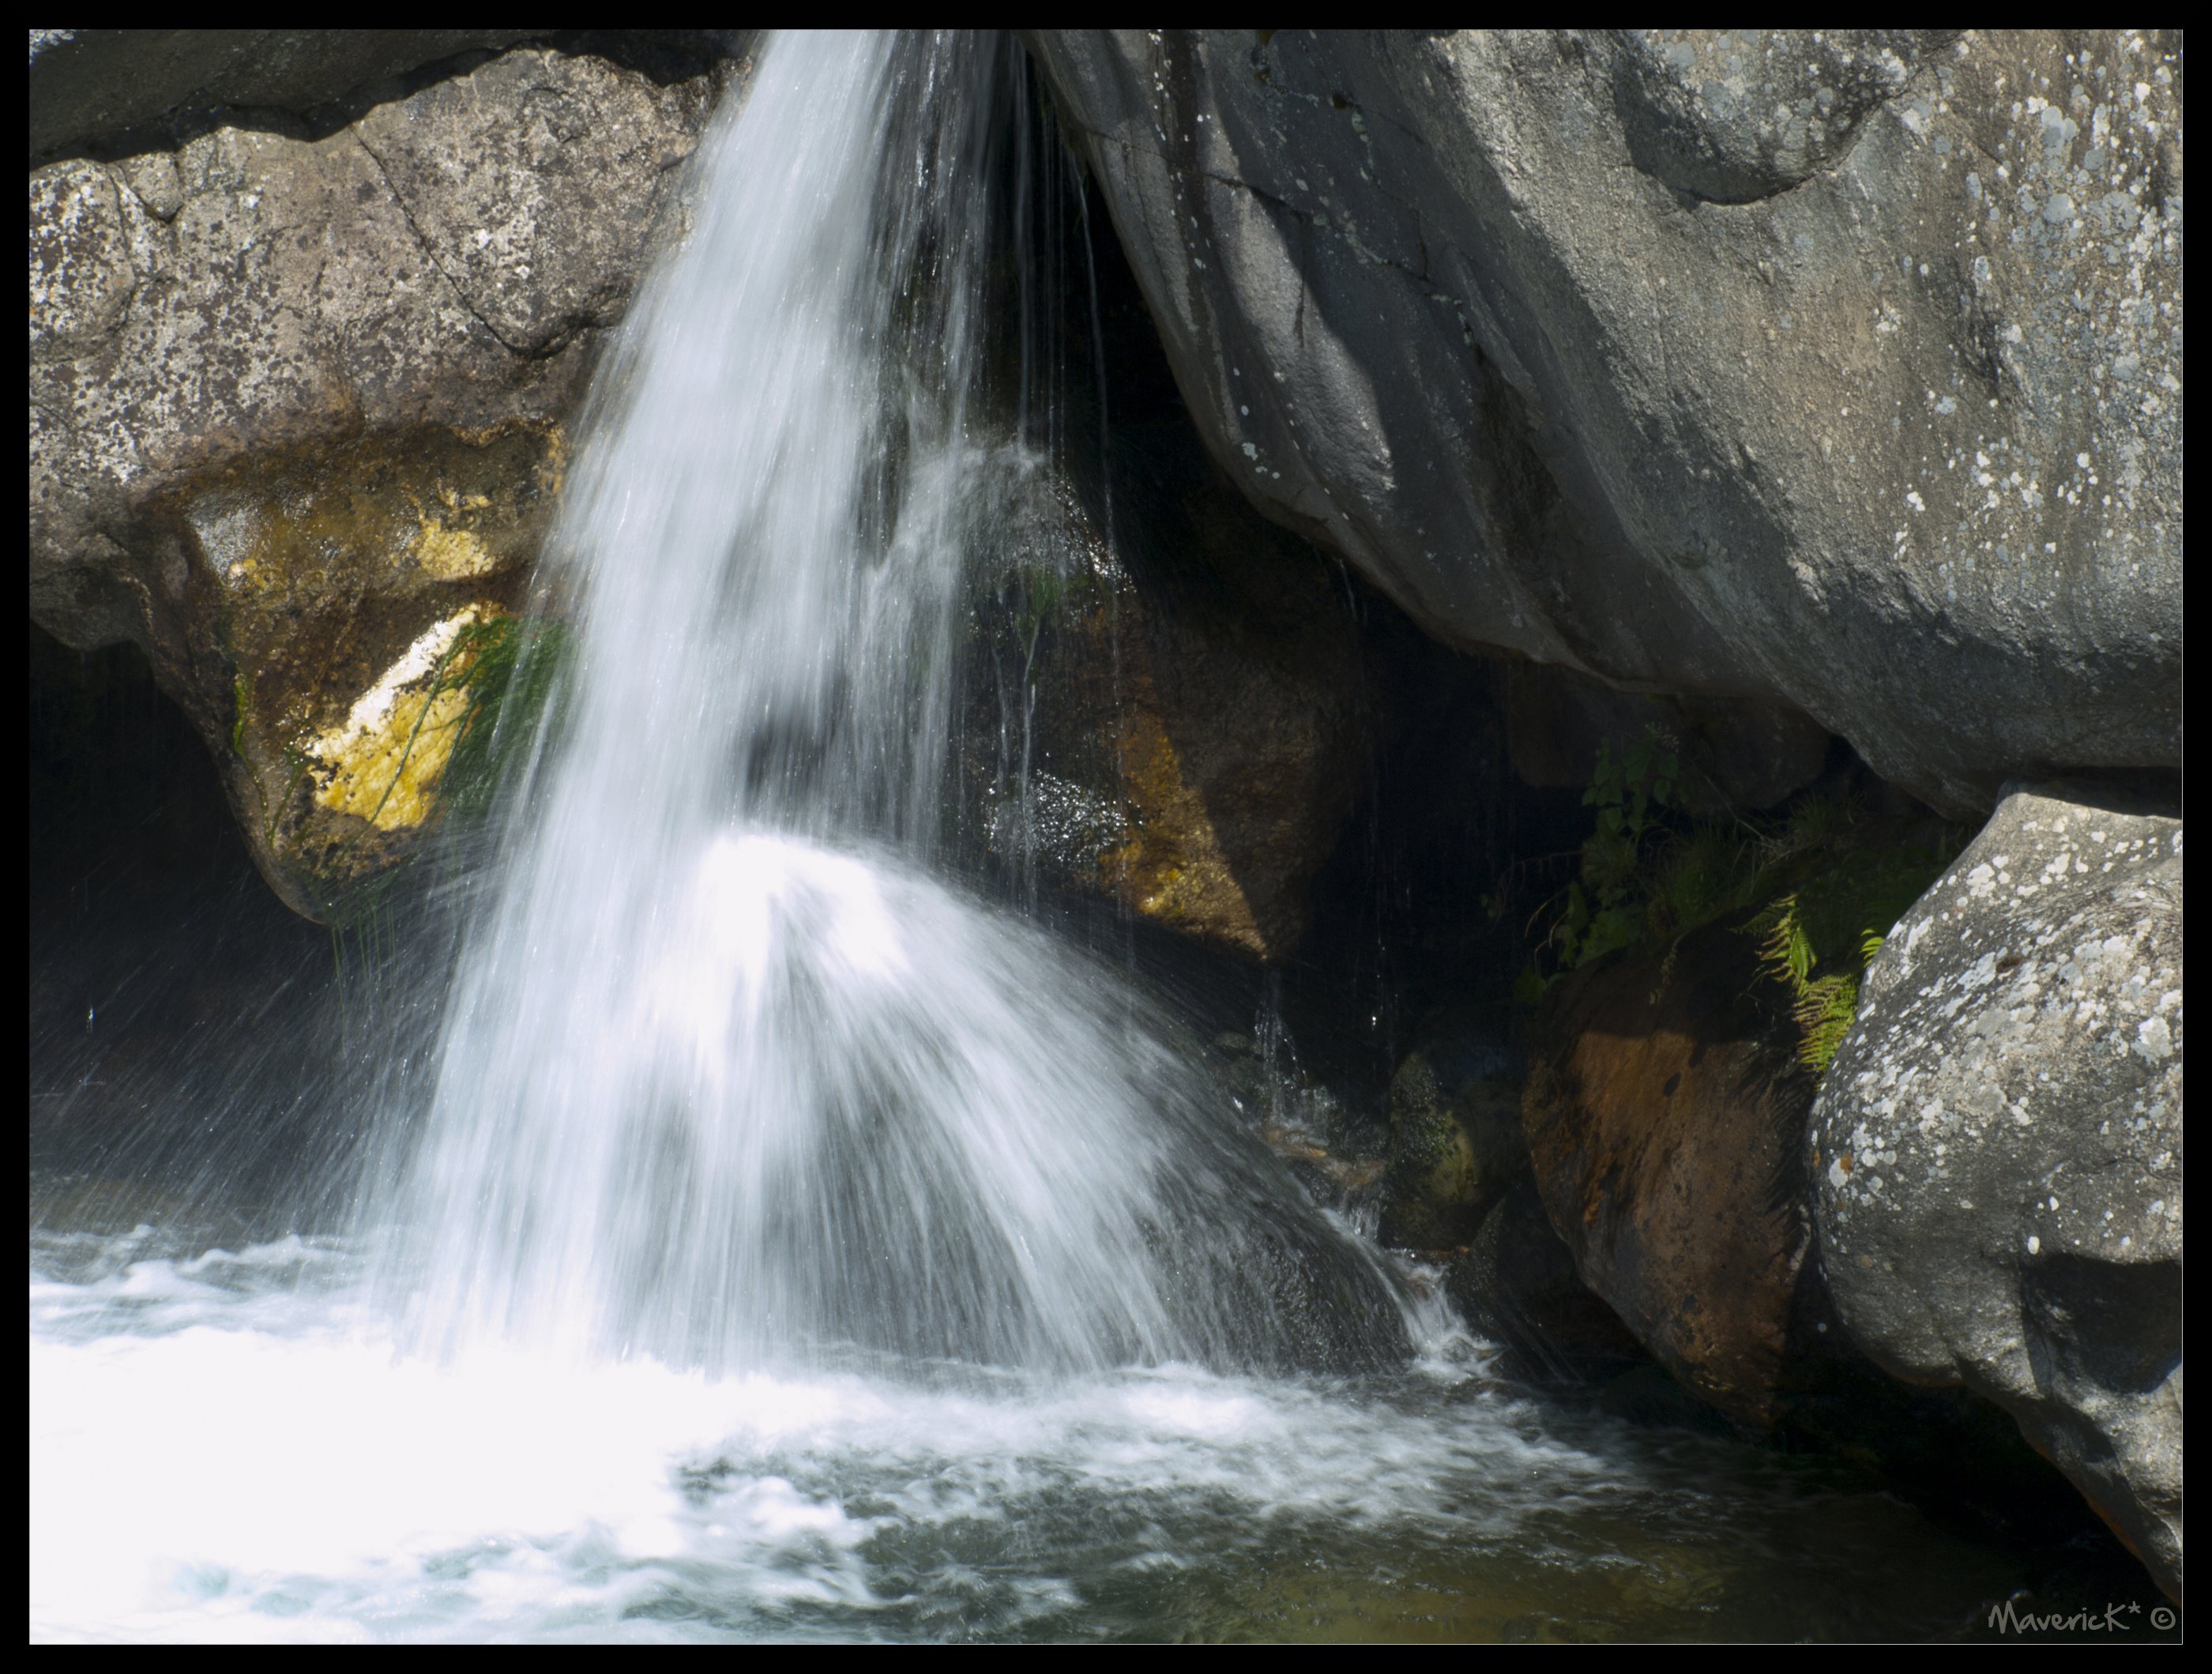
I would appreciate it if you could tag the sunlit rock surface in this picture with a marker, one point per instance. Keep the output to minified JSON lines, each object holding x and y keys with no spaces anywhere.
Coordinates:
{"x":295,"y":402}
{"x":1997,"y":1149}
{"x":1838,"y":370}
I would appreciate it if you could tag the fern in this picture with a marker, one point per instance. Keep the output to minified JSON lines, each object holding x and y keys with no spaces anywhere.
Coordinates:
{"x":1839,"y":917}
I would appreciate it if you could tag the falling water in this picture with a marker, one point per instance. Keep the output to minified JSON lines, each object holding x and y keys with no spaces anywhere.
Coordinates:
{"x":728,"y":1073}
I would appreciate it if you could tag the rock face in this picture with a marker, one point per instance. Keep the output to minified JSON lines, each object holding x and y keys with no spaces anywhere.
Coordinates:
{"x":1997,"y":1148}
{"x":1455,"y":1144}
{"x":1663,"y":1110}
{"x":105,"y":87}
{"x":298,"y":411}
{"x":1841,"y":371}
{"x":1174,"y":719}
{"x":1516,"y":1285}
{"x":1734,"y":755}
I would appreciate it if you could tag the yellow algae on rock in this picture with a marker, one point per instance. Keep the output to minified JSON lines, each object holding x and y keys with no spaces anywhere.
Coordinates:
{"x":453,"y":554}
{"x":454,"y":550}
{"x":384,"y":764}
{"x":1172,"y":870}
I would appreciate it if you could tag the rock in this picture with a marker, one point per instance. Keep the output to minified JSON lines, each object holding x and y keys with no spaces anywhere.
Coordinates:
{"x":1839,"y":371}
{"x":1455,"y":1144}
{"x":1515,"y":1285}
{"x":107,"y":86}
{"x":1735,"y":756}
{"x":1176,"y":720}
{"x":1664,"y":1112}
{"x":1997,"y":1149}
{"x":299,"y":408}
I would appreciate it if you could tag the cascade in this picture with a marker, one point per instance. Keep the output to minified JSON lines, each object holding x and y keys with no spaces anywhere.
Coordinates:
{"x":729,"y":1073}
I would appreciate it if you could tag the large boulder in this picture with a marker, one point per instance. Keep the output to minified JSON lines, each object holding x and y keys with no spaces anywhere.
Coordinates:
{"x":1997,"y":1148}
{"x":1836,"y":370}
{"x":1664,"y":1110}
{"x":299,"y":411}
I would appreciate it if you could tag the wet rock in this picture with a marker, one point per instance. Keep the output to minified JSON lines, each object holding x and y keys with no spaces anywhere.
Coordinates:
{"x":298,"y":409}
{"x":1839,"y":372}
{"x":1176,"y":720}
{"x":1997,"y":1149}
{"x":1515,"y":1285}
{"x":1456,"y":1142}
{"x":1664,"y":1110}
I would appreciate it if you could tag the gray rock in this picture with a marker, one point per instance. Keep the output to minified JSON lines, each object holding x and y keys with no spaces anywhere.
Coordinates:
{"x":1746,"y":366}
{"x":294,"y":403}
{"x":1997,"y":1148}
{"x":95,"y":86}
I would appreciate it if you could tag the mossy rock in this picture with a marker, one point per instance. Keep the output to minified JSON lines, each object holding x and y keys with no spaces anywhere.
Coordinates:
{"x":348,"y":593}
{"x":1455,"y":1145}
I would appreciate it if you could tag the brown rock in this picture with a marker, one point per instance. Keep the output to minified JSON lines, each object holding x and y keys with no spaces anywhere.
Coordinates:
{"x":1663,"y":1110}
{"x":1176,"y":722}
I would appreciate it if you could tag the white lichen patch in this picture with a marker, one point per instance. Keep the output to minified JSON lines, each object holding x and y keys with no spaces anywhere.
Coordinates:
{"x":2039,"y":980}
{"x":384,"y":762}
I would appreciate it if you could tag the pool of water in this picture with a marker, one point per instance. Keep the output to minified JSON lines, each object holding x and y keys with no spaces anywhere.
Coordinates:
{"x":225,"y":1444}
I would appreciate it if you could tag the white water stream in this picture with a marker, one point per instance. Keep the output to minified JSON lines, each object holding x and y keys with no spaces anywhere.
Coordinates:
{"x":728,"y":1074}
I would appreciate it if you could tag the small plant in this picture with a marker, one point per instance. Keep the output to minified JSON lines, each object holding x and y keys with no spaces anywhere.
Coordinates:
{"x":1817,"y":939}
{"x":1823,"y":884}
{"x":511,"y":668}
{"x":1601,"y":910}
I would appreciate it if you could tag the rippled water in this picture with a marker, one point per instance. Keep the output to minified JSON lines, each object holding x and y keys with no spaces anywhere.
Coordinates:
{"x":228,"y":1446}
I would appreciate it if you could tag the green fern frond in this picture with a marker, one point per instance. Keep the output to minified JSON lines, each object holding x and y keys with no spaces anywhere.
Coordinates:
{"x":1824,"y":1013}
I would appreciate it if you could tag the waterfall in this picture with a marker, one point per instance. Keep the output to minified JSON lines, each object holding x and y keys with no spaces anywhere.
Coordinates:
{"x":729,"y":1072}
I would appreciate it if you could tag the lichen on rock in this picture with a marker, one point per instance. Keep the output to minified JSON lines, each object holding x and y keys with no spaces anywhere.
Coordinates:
{"x":384,"y":764}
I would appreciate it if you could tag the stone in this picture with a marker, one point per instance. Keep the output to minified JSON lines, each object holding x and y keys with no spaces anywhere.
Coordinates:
{"x":296,"y":404}
{"x":1839,"y":372}
{"x":107,"y":87}
{"x":1515,"y":1285}
{"x":1664,"y":1110}
{"x":1997,"y":1149}
{"x":1735,"y":756}
{"x":1174,"y":720}
{"x":1456,"y":1142}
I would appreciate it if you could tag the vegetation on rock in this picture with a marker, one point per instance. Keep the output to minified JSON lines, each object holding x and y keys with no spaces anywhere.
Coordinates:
{"x":1821,"y":884}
